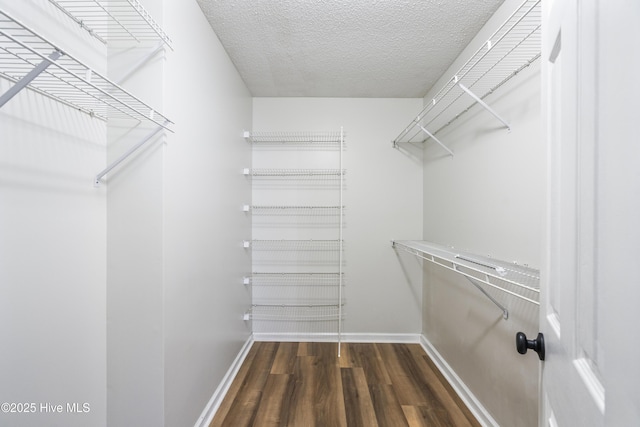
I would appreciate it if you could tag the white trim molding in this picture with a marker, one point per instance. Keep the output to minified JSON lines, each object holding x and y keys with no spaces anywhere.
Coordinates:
{"x":475,"y":406}
{"x":216,"y":399}
{"x":345,"y":337}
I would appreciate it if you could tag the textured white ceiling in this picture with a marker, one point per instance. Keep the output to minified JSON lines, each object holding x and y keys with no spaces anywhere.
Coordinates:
{"x":345,"y":48}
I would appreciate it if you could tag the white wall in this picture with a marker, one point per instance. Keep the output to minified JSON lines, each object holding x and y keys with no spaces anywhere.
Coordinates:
{"x":488,"y":199}
{"x":135,"y":292}
{"x":176,"y":225}
{"x":383,"y":199}
{"x":52,"y":244}
{"x":129,"y":296}
{"x":204,"y":225}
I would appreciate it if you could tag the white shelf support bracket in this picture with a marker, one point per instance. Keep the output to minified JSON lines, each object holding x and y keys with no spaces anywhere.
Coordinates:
{"x":485,"y":105}
{"x":436,"y":139}
{"x":138,"y":65}
{"x":28,"y":78}
{"x":505,"y":312}
{"x":125,"y":155}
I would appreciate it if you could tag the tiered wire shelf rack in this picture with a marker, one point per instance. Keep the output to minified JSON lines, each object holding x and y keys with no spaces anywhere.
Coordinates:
{"x":295,"y":299}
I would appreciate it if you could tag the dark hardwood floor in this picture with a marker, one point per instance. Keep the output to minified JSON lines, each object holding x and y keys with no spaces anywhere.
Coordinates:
{"x":307,"y":385}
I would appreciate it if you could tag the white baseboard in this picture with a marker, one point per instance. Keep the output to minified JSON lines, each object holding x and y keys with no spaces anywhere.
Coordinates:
{"x":214,"y":403}
{"x":458,"y":385}
{"x":332,"y":337}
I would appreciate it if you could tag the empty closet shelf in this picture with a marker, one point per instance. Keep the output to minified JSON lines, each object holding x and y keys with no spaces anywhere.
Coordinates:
{"x":504,"y":276}
{"x":296,"y":138}
{"x":29,"y":60}
{"x":110,"y":20}
{"x":515,"y":45}
{"x":294,"y":210}
{"x":297,"y":279}
{"x":297,"y":173}
{"x":295,"y":245}
{"x":298,"y":313}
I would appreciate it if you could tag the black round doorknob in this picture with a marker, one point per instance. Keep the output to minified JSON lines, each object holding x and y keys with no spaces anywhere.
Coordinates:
{"x":523,"y":344}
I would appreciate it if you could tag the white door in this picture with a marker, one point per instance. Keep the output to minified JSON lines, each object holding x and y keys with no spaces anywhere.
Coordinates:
{"x":590,"y":298}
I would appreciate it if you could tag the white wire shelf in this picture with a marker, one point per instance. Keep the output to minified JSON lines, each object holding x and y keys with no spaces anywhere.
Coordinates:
{"x":295,"y":245}
{"x":29,"y":60}
{"x":297,"y":173}
{"x":109,"y":20}
{"x":296,"y":138}
{"x":294,"y":210}
{"x":515,"y":45}
{"x":295,"y":313}
{"x":516,"y":280}
{"x":296,"y":279}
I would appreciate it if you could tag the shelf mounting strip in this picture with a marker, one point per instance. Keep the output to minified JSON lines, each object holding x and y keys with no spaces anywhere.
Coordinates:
{"x":512,"y":47}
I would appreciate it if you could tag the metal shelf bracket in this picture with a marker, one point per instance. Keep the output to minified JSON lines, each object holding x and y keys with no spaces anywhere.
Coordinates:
{"x":24,"y":81}
{"x":436,"y":139}
{"x":484,"y":105}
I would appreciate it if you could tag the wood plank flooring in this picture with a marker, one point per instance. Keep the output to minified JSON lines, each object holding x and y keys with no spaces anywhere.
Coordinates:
{"x":307,"y":385}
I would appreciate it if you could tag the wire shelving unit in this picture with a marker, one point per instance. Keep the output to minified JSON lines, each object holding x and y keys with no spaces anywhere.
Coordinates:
{"x":515,"y":45}
{"x":295,"y":300}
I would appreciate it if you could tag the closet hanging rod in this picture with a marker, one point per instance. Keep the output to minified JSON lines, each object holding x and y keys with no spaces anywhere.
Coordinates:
{"x":66,"y":79}
{"x":125,"y":155}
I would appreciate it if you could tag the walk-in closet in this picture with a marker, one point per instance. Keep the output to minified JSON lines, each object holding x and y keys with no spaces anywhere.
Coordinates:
{"x":230,"y":213}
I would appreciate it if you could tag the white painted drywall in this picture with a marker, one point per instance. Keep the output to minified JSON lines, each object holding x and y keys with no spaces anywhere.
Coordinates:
{"x":52,"y":246}
{"x":489,"y":199}
{"x":176,"y":225}
{"x":383,"y":199}
{"x":204,"y":225}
